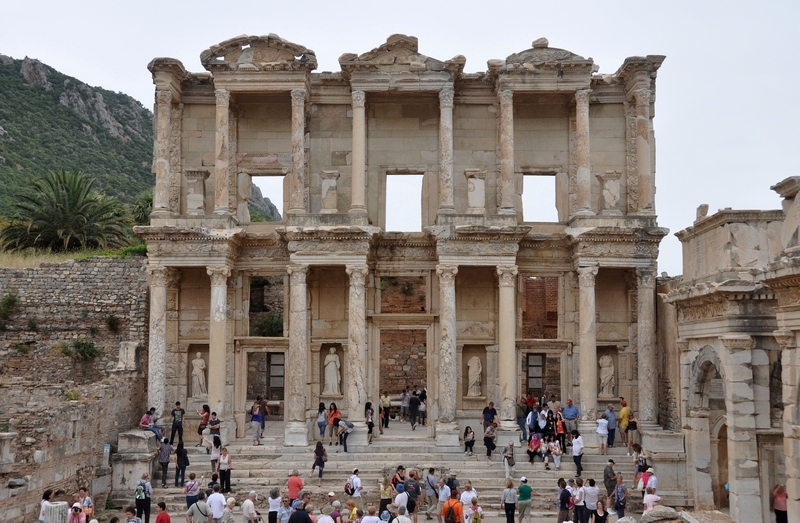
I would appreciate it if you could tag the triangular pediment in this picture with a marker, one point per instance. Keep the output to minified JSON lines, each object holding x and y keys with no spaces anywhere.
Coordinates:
{"x":258,"y":53}
{"x":400,"y":54}
{"x":542,"y":53}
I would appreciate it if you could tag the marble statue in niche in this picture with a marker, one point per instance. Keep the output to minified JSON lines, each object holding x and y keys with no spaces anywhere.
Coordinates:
{"x":474,"y":371}
{"x":332,"y":373}
{"x":607,"y":379}
{"x":199,"y":376}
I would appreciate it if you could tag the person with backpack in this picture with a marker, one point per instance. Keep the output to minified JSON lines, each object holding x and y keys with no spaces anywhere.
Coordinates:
{"x":453,"y":511}
{"x":473,"y":513}
{"x":413,"y":489}
{"x":141,"y":495}
{"x":355,"y":488}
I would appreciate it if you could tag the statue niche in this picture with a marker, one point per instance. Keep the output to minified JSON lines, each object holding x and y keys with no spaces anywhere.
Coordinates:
{"x":332,"y":374}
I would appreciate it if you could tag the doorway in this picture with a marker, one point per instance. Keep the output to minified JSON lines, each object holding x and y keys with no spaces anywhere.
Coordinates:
{"x":719,"y":468}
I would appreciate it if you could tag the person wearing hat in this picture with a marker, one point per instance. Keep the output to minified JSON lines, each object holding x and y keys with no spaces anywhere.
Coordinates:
{"x":652,"y":481}
{"x":401,"y":499}
{"x":331,"y":499}
{"x":249,"y":508}
{"x":326,"y":511}
{"x":76,"y":515}
{"x":524,"y":500}
{"x":355,"y":481}
{"x":609,"y":481}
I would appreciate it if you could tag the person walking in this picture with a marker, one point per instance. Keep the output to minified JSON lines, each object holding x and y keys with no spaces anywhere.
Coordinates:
{"x":369,"y":418}
{"x":524,"y":500}
{"x":413,"y":410}
{"x":577,"y":451}
{"x":255,"y":422}
{"x":142,"y":493}
{"x":488,"y":440}
{"x":205,"y":414}
{"x":602,"y":433}
{"x":564,"y":497}
{"x":386,"y":404}
{"x":509,"y":501}
{"x":609,"y":482}
{"x":779,"y":503}
{"x":430,"y":493}
{"x":622,"y":421}
{"x":579,"y":499}
{"x":274,"y":501}
{"x":452,"y":510}
{"x":355,"y":482}
{"x":192,"y":489}
{"x":443,"y":497}
{"x":591,"y":497}
{"x":294,"y":485}
{"x":620,"y":497}
{"x":320,"y":457}
{"x":508,"y":460}
{"x":181,"y":462}
{"x":164,"y":452}
{"x":322,"y":420}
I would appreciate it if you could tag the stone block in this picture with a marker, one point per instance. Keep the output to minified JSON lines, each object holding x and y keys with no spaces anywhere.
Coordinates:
{"x":137,"y":441}
{"x":660,"y":513}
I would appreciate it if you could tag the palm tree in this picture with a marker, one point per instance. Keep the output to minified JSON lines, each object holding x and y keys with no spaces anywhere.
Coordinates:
{"x":64,"y":213}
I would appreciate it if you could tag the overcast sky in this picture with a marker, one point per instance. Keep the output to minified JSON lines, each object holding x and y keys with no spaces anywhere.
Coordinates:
{"x":727,"y":106}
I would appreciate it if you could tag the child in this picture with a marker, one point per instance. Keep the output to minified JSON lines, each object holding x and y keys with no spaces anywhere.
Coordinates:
{"x":130,"y":515}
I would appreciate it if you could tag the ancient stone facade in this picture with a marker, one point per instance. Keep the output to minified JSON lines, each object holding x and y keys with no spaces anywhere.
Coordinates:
{"x":725,"y":328}
{"x":586,"y":282}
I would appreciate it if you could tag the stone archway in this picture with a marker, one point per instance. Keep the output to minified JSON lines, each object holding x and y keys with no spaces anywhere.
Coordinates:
{"x":719,"y":463}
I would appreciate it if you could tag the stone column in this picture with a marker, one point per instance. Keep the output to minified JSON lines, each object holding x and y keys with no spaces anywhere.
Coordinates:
{"x":57,"y":512}
{"x":356,"y":386}
{"x":357,"y":178}
{"x":296,"y":432}
{"x":446,"y":150}
{"x":506,"y":340}
{"x":297,"y":191}
{"x":217,"y":339}
{"x":505,"y":184}
{"x":446,"y":427}
{"x":791,"y":436}
{"x":646,"y":327}
{"x":157,"y":351}
{"x":644,"y":169}
{"x":584,"y":181}
{"x":163,"y":128}
{"x":588,"y":343}
{"x":221,"y":153}
{"x":743,"y":473}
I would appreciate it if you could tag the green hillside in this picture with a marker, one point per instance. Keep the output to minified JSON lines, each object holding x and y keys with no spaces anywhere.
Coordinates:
{"x":50,"y":121}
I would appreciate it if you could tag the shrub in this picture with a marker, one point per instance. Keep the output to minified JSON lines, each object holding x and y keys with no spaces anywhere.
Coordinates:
{"x":270,"y":326}
{"x":22,"y":348}
{"x":113,"y":322}
{"x":93,"y":331}
{"x":84,"y":350}
{"x":8,"y":305}
{"x":72,"y":395}
{"x":33,"y":325}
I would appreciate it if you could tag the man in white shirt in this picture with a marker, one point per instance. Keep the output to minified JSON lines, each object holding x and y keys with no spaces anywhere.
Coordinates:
{"x":249,"y":508}
{"x":217,"y":503}
{"x":355,"y":482}
{"x":444,"y":495}
{"x":401,"y":500}
{"x":652,"y":481}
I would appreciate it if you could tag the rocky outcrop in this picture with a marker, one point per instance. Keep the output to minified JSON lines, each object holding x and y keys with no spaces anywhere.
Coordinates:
{"x":661,"y":514}
{"x":264,"y":204}
{"x":90,"y":105}
{"x":35,"y":73}
{"x":6,"y":60}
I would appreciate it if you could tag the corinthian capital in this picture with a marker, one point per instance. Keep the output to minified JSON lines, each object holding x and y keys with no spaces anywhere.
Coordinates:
{"x":297,"y":274}
{"x":582,"y":97}
{"x":447,"y":274}
{"x":223,"y":97}
{"x":163,"y":97}
{"x":446,"y":97}
{"x":586,"y":275}
{"x":359,"y":98}
{"x":219,"y":275}
{"x":642,"y":96}
{"x":506,"y":97}
{"x":298,"y":96}
{"x":358,"y":274}
{"x":646,"y":276}
{"x":159,"y":276}
{"x":506,"y":274}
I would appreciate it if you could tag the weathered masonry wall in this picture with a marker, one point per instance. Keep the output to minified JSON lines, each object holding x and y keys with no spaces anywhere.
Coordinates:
{"x":58,"y":409}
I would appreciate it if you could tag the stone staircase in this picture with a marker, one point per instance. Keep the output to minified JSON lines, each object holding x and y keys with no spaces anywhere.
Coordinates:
{"x":264,"y":467}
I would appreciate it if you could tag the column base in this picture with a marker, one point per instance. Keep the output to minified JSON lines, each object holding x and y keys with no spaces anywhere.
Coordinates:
{"x":508,"y":431}
{"x":584,"y":212}
{"x":295,"y":434}
{"x":359,"y":435}
{"x":588,"y":430}
{"x":447,"y":434}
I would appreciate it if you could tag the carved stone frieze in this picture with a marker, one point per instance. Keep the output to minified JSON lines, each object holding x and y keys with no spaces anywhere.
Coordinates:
{"x":702,"y":309}
{"x":631,"y":168}
{"x":737,"y":342}
{"x":258,"y":53}
{"x":494,"y":248}
{"x":786,"y":339}
{"x":175,"y":158}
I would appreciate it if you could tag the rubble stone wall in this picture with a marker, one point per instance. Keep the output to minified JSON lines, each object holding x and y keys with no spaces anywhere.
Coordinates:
{"x":64,"y":409}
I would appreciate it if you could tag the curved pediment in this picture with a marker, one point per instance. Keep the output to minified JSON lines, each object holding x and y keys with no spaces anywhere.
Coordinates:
{"x":258,"y":53}
{"x":400,"y":54}
{"x":541,"y":53}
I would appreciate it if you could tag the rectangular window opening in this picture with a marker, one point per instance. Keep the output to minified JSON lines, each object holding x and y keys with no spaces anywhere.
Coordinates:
{"x":539,"y":198}
{"x":268,"y":208}
{"x":403,"y":202}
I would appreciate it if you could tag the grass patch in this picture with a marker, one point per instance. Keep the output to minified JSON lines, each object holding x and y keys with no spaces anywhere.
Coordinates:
{"x":72,"y":395}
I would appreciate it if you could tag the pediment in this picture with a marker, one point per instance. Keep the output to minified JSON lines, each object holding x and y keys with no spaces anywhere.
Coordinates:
{"x":258,"y":53}
{"x":541,"y":59}
{"x":400,"y":54}
{"x":542,"y":53}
